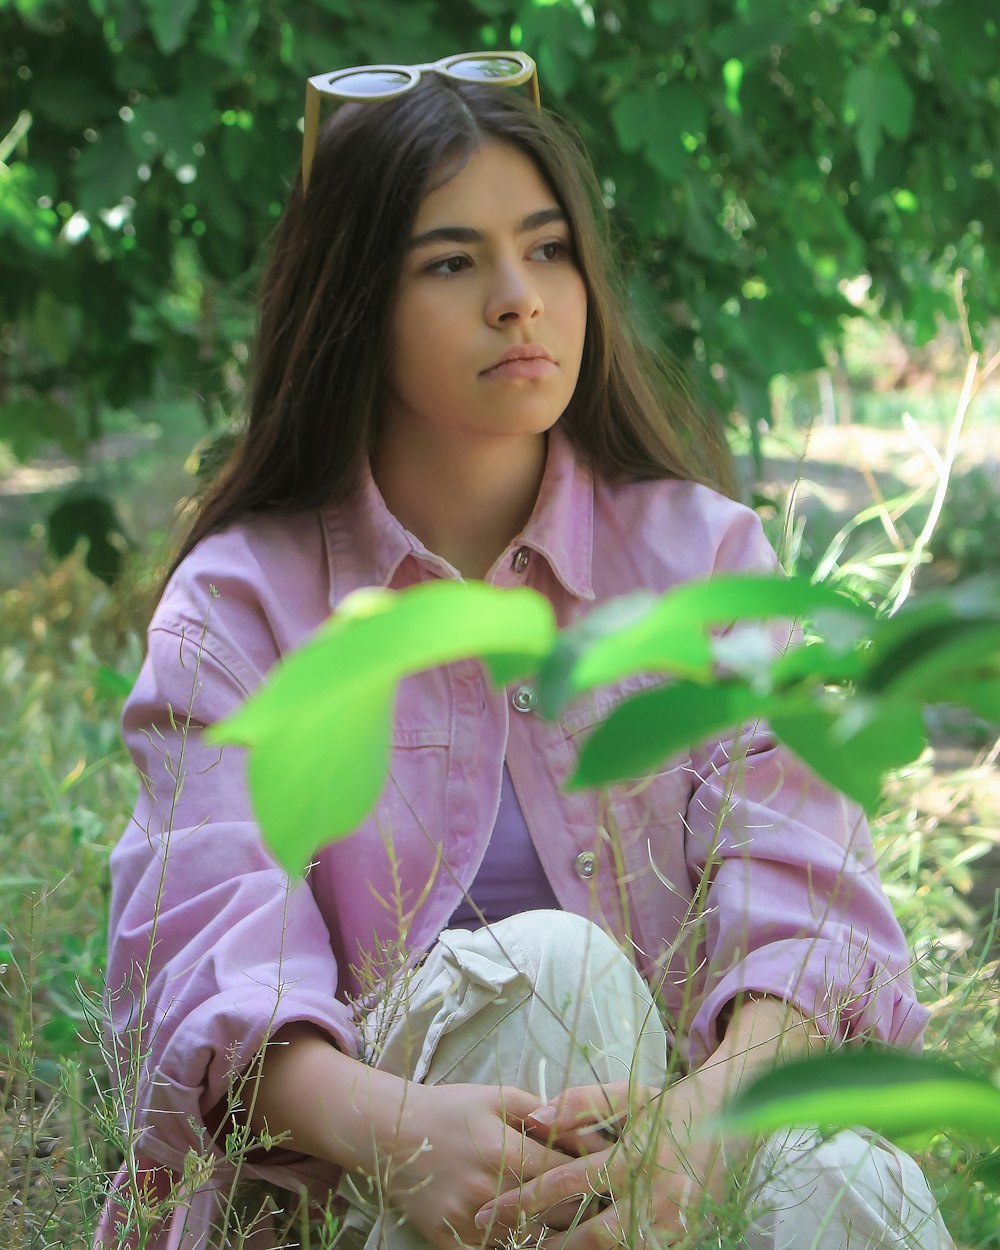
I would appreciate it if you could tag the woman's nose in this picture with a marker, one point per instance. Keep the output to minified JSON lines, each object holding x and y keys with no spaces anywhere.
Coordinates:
{"x":514,"y":297}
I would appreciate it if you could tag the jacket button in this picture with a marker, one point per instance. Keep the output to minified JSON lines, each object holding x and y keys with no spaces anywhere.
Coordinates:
{"x":585,"y":865}
{"x":520,"y":561}
{"x":524,"y":699}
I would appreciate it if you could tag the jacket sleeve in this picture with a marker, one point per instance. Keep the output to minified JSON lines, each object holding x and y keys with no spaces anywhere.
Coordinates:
{"x":212,"y":948}
{"x":792,"y":904}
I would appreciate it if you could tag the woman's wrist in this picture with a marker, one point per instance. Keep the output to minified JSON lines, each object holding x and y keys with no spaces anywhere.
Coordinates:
{"x":761,"y":1031}
{"x":326,"y":1104}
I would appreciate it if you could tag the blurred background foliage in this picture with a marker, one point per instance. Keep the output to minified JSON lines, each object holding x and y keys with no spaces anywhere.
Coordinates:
{"x":757,"y":157}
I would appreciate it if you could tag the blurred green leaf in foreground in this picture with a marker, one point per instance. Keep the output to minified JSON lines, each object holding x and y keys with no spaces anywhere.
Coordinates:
{"x":849,"y":703}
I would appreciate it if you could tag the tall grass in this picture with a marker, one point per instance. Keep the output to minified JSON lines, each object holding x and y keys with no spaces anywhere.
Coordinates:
{"x":65,"y":784}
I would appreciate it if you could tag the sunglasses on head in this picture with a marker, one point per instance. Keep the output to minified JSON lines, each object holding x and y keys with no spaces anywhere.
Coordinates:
{"x":383,"y":82}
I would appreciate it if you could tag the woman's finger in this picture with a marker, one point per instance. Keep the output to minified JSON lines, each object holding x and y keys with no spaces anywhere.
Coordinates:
{"x":570,"y":1212}
{"x":585,"y":1118}
{"x":582,"y":1104}
{"x":515,"y":1105}
{"x":601,"y":1231}
{"x":565,"y":1182}
{"x":524,"y":1159}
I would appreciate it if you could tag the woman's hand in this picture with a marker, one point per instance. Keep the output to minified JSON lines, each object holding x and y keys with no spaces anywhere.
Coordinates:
{"x":436,"y":1152}
{"x":655,"y":1176}
{"x":664,"y":1168}
{"x":457,"y":1147}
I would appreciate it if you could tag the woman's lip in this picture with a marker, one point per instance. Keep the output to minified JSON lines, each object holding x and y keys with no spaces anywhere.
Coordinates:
{"x":525,"y":367}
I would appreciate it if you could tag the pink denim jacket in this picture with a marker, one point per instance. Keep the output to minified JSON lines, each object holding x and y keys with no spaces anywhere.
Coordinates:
{"x":214,"y":949}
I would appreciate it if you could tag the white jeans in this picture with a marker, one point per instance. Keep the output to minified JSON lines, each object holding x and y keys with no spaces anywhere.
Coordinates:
{"x":546,"y":1000}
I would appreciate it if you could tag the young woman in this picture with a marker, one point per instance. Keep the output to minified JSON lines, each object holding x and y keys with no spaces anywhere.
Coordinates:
{"x":445,"y":1025}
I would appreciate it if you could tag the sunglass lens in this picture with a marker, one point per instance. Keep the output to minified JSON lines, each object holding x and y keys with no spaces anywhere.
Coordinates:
{"x":483,"y":68}
{"x":372,"y":82}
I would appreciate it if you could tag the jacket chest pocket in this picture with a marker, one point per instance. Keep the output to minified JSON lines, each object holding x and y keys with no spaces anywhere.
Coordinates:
{"x":412,"y":805}
{"x":418,"y":775}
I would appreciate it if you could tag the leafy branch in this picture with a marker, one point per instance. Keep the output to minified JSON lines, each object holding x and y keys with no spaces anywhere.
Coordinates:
{"x":847,"y":699}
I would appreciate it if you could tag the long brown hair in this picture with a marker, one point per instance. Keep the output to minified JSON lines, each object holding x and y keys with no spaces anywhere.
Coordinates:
{"x":320,"y":364}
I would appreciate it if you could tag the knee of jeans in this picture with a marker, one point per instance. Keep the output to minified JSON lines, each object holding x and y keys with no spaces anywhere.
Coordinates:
{"x":877,"y":1186}
{"x":847,"y":1155}
{"x":565,"y":940}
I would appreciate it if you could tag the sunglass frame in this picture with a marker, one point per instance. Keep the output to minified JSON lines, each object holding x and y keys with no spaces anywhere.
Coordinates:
{"x":324,"y":85}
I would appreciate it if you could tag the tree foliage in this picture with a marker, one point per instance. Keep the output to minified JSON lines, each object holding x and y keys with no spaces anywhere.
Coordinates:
{"x":755,"y":153}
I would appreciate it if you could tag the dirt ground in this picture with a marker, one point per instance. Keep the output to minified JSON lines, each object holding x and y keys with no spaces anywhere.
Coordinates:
{"x":844,"y":468}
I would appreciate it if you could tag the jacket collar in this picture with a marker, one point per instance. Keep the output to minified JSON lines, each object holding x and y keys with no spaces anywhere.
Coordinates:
{"x":561,"y":525}
{"x":367,"y":544}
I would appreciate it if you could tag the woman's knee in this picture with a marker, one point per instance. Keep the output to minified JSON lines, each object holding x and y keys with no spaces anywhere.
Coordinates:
{"x":561,"y":941}
{"x":853,"y":1179}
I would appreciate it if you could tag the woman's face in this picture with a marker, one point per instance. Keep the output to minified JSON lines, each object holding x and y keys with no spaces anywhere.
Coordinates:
{"x":490,"y":268}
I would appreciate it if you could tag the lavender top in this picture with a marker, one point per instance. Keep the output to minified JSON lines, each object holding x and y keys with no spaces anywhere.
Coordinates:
{"x":511,"y":877}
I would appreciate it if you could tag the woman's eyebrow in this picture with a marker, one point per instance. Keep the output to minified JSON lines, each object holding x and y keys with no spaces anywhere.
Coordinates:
{"x":466,"y":234}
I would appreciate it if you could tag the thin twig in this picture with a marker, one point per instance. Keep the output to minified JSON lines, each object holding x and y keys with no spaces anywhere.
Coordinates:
{"x":904,"y":584}
{"x":14,"y":136}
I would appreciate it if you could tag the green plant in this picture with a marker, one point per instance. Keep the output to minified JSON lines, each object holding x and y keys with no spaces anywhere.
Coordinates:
{"x":850,"y":704}
{"x":898,"y":1095}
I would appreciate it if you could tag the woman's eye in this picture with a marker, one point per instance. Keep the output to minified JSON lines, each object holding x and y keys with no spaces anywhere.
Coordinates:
{"x":554,"y":249}
{"x":449,"y":265}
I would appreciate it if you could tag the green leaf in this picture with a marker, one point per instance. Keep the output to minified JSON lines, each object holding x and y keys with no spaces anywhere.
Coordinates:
{"x":892,"y":1093}
{"x":932,"y":621}
{"x":820,"y":662}
{"x":26,"y":425}
{"x":106,"y":172}
{"x":628,"y":116}
{"x":849,"y":743}
{"x":110,"y":682}
{"x":228,"y":36}
{"x":505,"y":667}
{"x":562,"y":43}
{"x":214,"y":194}
{"x":572,"y":644}
{"x":69,"y":96}
{"x":752,"y":40}
{"x":732,"y":76}
{"x":169,"y":22}
{"x":34,"y":228}
{"x":678,"y":110}
{"x":318,"y":729}
{"x":667,"y":12}
{"x":877,"y":101}
{"x":778,"y":338}
{"x":656,"y":724}
{"x":965,"y":648}
{"x":988,"y":1168}
{"x":92,"y":519}
{"x":653,"y":118}
{"x":304,"y":802}
{"x":171,"y":127}
{"x":672,"y":635}
{"x":52,"y":326}
{"x":981,"y":697}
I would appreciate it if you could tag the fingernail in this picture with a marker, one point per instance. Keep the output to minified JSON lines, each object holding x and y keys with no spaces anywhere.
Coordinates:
{"x":544,"y":1115}
{"x":484,"y":1217}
